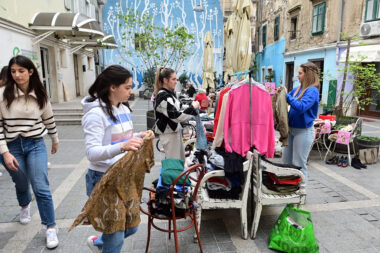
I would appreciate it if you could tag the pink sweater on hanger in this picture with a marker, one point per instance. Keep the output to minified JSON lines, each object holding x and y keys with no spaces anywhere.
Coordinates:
{"x":237,"y":134}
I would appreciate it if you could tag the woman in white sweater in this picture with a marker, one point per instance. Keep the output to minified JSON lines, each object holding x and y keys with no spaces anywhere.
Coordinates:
{"x":25,"y":117}
{"x":108,"y":129}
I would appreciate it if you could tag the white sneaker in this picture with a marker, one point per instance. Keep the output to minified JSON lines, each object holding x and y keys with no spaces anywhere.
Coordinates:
{"x":51,"y":238}
{"x":90,"y":243}
{"x":25,"y":215}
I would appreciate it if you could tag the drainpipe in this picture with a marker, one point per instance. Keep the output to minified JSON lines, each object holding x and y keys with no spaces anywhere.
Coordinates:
{"x":259,"y":32}
{"x":340,"y":20}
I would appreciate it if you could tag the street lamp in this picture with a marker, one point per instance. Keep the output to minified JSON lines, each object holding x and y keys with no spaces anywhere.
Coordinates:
{"x":198,"y":8}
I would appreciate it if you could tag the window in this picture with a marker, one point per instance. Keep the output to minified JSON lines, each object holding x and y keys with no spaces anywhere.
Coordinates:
{"x":293,"y":28}
{"x":264,"y":34}
{"x":372,"y":10}
{"x":277,"y":28}
{"x":319,"y":18}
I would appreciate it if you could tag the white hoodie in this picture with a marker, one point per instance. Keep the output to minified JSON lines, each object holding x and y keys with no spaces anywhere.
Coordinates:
{"x":102,"y":135}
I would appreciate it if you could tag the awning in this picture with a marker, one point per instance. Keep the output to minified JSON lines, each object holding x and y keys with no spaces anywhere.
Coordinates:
{"x":65,"y":25}
{"x":107,"y":42}
{"x":371,"y":53}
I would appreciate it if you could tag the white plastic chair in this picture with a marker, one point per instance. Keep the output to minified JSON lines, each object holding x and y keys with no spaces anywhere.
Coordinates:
{"x":262,"y":199}
{"x":206,"y":202}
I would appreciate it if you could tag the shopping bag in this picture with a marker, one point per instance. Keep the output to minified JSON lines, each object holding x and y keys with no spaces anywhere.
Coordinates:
{"x":293,"y":232}
{"x":368,"y":155}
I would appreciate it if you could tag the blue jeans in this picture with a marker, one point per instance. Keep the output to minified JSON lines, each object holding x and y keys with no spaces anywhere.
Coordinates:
{"x":31,"y":155}
{"x":299,"y":144}
{"x":109,"y":243}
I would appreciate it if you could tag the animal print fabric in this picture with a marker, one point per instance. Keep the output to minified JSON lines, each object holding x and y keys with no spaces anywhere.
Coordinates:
{"x":114,"y":203}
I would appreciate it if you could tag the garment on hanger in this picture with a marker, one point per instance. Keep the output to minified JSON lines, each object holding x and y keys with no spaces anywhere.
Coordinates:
{"x":218,"y":138}
{"x":280,"y":115}
{"x":237,"y":123}
{"x":217,"y":114}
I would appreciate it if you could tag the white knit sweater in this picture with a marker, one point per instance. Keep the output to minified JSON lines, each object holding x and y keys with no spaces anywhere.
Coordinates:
{"x":24,"y":118}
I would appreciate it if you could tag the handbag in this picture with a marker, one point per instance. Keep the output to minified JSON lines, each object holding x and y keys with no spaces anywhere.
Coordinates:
{"x":369,"y":155}
{"x":293,"y":232}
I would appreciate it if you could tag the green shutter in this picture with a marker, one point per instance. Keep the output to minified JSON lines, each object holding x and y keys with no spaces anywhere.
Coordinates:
{"x":264,"y":35}
{"x":277,"y":28}
{"x":331,"y":96}
{"x":319,"y":16}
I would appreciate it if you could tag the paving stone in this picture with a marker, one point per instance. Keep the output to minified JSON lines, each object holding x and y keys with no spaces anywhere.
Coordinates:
{"x":4,"y":237}
{"x":226,"y":247}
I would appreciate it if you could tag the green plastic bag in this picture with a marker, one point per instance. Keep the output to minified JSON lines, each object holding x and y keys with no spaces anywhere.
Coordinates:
{"x":293,"y":232}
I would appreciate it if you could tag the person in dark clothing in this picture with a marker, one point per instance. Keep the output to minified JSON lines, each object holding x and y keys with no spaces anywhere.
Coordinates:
{"x":190,"y":90}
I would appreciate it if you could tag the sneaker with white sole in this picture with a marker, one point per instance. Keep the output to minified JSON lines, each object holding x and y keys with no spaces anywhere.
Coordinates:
{"x":90,"y":243}
{"x":25,"y":215}
{"x":51,"y":238}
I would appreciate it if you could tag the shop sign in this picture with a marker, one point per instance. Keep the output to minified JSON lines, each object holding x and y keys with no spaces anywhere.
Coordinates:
{"x":28,"y":53}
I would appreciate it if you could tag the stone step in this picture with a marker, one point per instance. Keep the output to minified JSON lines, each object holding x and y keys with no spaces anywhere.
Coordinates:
{"x":68,"y":115}
{"x":59,"y":110}
{"x":68,"y":121}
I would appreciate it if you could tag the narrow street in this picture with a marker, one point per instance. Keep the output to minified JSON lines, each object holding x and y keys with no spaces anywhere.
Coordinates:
{"x":344,"y":203}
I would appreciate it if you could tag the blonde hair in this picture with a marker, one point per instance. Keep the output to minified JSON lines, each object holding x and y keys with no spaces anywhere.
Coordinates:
{"x":311,"y":78}
{"x":160,"y":75}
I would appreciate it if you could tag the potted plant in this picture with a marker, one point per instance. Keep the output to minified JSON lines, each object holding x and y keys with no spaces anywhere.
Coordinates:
{"x":269,"y":76}
{"x":363,"y":142}
{"x":183,"y":79}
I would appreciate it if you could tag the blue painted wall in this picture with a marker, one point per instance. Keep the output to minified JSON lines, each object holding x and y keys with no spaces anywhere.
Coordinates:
{"x":168,"y":13}
{"x":272,"y":56}
{"x":330,"y":66}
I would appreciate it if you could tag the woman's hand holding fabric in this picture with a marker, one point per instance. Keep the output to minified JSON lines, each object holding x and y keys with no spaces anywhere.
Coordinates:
{"x":10,"y":161}
{"x":196,"y":105}
{"x":143,"y":134}
{"x":132,"y":144}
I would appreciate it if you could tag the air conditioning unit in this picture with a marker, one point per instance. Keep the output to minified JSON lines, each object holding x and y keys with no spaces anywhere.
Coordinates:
{"x":370,"y":29}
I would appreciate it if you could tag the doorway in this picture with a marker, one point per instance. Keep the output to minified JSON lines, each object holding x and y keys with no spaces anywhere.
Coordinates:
{"x":319,"y":63}
{"x":289,"y":75}
{"x":76,"y":74}
{"x":45,"y":69}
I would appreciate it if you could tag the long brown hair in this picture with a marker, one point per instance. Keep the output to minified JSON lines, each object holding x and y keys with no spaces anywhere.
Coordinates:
{"x":100,"y":89}
{"x":35,"y":83}
{"x":311,"y":78}
{"x":160,"y":75}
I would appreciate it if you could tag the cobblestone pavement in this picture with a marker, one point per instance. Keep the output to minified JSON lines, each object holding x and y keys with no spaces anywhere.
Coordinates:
{"x":344,"y":203}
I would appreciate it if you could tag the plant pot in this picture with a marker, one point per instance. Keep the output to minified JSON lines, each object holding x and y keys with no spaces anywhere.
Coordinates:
{"x":362,"y":144}
{"x":150,"y":119}
{"x":346,"y":120}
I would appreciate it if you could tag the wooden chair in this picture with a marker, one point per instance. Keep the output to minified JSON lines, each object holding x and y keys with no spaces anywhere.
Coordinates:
{"x":261,"y":199}
{"x":196,"y":174}
{"x":356,"y":131}
{"x":211,"y":203}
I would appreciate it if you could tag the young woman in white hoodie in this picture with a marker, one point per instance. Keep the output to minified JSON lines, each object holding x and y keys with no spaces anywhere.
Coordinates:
{"x":108,"y":130}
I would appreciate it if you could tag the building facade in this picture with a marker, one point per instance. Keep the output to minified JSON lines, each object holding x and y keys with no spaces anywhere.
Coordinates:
{"x":316,"y":31}
{"x":167,"y":13}
{"x":66,"y":72}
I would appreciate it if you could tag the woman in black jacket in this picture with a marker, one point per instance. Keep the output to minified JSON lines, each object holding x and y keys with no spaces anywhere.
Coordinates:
{"x":169,"y":113}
